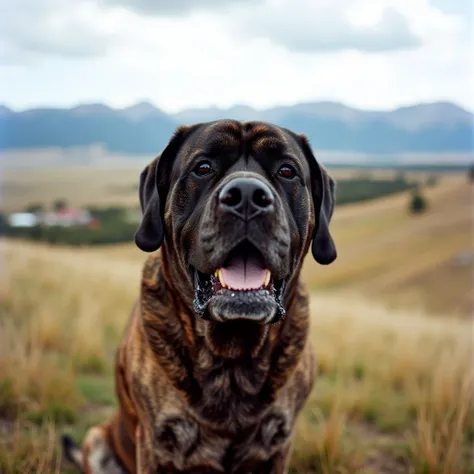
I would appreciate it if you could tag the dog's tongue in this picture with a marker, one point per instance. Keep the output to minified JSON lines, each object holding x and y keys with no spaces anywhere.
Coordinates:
{"x":244,"y":272}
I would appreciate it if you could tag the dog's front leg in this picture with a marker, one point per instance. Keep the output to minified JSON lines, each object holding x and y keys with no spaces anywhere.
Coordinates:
{"x":146,"y":460}
{"x":143,"y":456}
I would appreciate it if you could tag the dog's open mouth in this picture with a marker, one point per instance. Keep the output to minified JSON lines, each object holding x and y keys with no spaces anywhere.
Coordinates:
{"x":242,"y":288}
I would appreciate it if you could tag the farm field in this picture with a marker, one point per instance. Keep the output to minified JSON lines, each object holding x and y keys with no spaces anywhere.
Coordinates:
{"x":391,"y":325}
{"x":111,"y":183}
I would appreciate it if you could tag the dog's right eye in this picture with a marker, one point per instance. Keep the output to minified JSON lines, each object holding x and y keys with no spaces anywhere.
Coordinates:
{"x":203,"y":168}
{"x":287,"y":171}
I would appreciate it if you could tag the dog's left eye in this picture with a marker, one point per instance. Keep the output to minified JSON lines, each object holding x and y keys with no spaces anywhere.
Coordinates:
{"x":203,"y":168}
{"x":287,"y":171}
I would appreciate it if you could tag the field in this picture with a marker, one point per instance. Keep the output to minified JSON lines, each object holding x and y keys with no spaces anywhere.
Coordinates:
{"x":391,"y":324}
{"x":111,"y":182}
{"x":407,"y":261}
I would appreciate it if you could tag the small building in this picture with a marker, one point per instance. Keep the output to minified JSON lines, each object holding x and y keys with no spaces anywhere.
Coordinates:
{"x":22,"y":219}
{"x":68,"y":218}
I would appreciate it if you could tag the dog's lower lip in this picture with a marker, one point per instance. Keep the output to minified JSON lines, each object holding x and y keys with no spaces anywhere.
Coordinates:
{"x":207,"y":288}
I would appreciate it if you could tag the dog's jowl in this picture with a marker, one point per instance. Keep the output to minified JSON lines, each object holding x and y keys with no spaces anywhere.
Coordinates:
{"x":215,"y":363}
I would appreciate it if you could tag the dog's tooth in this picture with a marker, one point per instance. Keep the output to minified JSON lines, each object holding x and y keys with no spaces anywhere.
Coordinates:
{"x":267,"y":278}
{"x":221,"y":278}
{"x":216,"y":273}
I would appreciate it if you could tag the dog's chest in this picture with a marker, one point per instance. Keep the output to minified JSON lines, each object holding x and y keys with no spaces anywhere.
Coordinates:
{"x":231,"y":392}
{"x":183,"y":444}
{"x":229,"y":428}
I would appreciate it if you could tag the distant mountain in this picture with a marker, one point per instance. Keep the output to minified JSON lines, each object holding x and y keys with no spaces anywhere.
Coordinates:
{"x":142,"y":110}
{"x":133,"y":130}
{"x":330,"y":126}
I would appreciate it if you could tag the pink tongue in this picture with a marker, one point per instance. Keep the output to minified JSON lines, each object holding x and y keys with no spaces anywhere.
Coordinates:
{"x":244,"y":273}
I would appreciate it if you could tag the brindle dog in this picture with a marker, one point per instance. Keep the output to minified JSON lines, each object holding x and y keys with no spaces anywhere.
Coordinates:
{"x":216,"y":363}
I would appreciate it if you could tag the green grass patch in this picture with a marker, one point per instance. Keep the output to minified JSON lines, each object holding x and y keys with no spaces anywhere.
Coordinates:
{"x":365,"y":188}
{"x":54,"y":412}
{"x":8,"y":398}
{"x":98,"y":390}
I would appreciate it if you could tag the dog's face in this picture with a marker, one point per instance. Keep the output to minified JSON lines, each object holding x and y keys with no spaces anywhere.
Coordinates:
{"x":238,"y":205}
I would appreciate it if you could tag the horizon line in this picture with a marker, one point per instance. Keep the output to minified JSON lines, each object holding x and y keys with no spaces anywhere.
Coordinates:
{"x":236,"y":105}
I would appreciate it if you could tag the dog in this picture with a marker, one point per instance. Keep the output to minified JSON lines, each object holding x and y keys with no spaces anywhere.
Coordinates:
{"x":216,"y":364}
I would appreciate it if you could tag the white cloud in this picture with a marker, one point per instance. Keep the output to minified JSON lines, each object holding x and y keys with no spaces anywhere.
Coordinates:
{"x":88,"y":52}
{"x":173,"y":7}
{"x":54,"y":27}
{"x":322,"y":25}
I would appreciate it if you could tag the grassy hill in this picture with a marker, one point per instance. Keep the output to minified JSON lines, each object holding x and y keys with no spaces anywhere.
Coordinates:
{"x":405,"y":260}
{"x":394,"y":392}
{"x":384,"y":252}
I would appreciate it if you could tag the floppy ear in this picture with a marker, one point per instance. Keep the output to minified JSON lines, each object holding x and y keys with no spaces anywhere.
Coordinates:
{"x":153,"y":189}
{"x":324,"y":249}
{"x":149,"y":235}
{"x":324,"y":196}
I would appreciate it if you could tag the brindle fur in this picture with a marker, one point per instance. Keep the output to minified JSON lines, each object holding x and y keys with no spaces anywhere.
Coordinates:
{"x":198,"y":396}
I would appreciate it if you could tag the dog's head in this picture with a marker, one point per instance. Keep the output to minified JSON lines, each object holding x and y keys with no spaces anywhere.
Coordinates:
{"x":237,"y":206}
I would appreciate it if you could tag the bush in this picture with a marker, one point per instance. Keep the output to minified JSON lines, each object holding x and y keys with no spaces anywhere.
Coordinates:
{"x":470,"y":173}
{"x":34,"y":208}
{"x":418,"y":203}
{"x":108,"y":214}
{"x":365,"y":188}
{"x":3,"y":223}
{"x":59,"y":204}
{"x":112,"y":228}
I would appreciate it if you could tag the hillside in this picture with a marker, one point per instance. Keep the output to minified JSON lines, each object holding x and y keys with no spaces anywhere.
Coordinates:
{"x":143,"y":129}
{"x":421,"y":262}
{"x":408,"y":261}
{"x":379,"y":405}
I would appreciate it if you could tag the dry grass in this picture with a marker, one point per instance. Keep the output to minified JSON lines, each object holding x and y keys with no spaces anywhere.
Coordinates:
{"x":322,"y":444}
{"x":395,"y":386}
{"x":79,"y":185}
{"x":406,"y":376}
{"x":55,"y":326}
{"x":30,"y":450}
{"x":444,"y":421}
{"x":394,"y":392}
{"x":403,"y":260}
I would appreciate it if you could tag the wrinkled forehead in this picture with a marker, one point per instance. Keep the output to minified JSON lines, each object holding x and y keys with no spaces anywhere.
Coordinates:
{"x":240,"y":139}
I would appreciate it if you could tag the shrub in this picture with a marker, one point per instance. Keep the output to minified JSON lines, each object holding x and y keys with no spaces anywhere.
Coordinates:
{"x":34,"y":208}
{"x":59,"y":204}
{"x":470,"y":173}
{"x":418,"y":203}
{"x":365,"y":188}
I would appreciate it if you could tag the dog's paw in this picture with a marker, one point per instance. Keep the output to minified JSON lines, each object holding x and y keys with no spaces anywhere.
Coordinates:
{"x":72,"y":452}
{"x":96,"y":457}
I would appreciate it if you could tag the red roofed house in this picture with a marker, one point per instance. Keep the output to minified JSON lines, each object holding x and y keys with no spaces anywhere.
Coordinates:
{"x":68,"y":218}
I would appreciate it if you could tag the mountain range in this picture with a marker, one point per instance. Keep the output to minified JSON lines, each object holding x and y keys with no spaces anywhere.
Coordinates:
{"x":439,"y":127}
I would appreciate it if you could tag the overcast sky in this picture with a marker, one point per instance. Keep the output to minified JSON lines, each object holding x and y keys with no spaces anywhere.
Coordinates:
{"x":374,"y":54}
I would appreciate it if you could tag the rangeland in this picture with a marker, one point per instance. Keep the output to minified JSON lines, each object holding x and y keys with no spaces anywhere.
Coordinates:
{"x":391,"y":323}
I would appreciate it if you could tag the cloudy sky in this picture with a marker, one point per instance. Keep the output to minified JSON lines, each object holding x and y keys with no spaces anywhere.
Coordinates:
{"x":190,"y":53}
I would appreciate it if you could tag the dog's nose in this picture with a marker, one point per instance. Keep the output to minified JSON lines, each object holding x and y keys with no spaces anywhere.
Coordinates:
{"x":246,"y":197}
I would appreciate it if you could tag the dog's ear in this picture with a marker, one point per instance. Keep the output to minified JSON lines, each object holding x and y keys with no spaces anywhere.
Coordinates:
{"x":149,"y":235}
{"x":324,"y":248}
{"x":324,"y":197}
{"x":153,"y":188}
